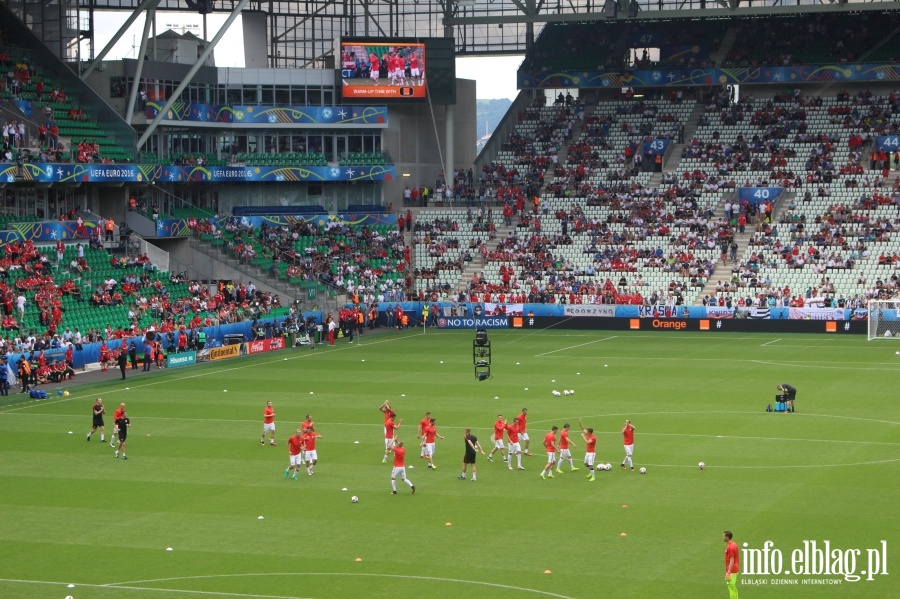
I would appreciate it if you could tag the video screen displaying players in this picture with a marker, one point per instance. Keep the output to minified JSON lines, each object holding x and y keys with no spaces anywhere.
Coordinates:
{"x":379,"y":71}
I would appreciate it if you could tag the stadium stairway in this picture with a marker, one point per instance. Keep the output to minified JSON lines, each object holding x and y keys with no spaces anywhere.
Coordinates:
{"x":722,"y":272}
{"x":475,"y":266}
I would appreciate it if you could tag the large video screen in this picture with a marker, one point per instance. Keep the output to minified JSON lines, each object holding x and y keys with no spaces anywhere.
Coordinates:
{"x":376,"y":71}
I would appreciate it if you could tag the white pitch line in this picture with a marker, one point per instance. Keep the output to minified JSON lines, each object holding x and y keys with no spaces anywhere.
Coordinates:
{"x":779,"y":467}
{"x":125,"y":587}
{"x":574,"y":346}
{"x":185,"y":378}
{"x":119,"y":585}
{"x":821,"y":365}
{"x":770,"y":342}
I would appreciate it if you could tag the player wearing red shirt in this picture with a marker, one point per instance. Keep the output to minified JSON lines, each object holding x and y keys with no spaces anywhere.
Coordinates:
{"x":389,"y":427}
{"x":732,"y":564}
{"x":295,"y":452}
{"x":564,"y":452}
{"x":590,"y":444}
{"x":512,"y":432}
{"x":422,"y":424}
{"x":268,"y":424}
{"x":399,"y":470}
{"x":429,"y":434}
{"x":116,"y":415}
{"x":310,"y":455}
{"x":374,"y":66}
{"x":628,"y":437}
{"x":550,"y":446}
{"x":499,"y":427}
{"x":523,"y":436}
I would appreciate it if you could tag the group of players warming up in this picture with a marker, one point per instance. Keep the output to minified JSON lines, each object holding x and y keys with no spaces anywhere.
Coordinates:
{"x":120,"y":429}
{"x":557,"y":445}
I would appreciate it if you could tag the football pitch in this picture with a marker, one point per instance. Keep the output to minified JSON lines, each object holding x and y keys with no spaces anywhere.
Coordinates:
{"x":198,"y":481}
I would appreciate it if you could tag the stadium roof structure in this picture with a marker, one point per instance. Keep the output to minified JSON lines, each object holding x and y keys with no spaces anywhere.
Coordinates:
{"x":302,"y":33}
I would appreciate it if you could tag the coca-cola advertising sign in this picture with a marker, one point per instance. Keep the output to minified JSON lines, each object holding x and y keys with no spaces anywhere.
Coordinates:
{"x":264,"y":345}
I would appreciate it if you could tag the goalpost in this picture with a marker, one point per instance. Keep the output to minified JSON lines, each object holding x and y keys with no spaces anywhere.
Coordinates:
{"x":884,"y":319}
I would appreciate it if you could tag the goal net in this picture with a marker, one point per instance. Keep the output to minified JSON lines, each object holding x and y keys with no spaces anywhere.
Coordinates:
{"x":884,"y":319}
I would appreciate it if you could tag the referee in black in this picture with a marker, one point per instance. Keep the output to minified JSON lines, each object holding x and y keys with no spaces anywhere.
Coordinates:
{"x":122,"y":424}
{"x":790,"y":393}
{"x":472,"y":447}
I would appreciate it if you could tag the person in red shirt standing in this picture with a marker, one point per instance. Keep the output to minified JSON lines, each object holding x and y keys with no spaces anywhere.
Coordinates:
{"x":390,"y":426}
{"x":550,"y":446}
{"x":512,"y":433}
{"x":295,"y":451}
{"x":499,"y":427}
{"x":628,"y":436}
{"x":312,"y":458}
{"x":523,"y":436}
{"x":268,"y":424}
{"x":590,"y":444}
{"x":564,"y":452}
{"x":430,"y":433}
{"x":422,"y":425}
{"x":399,"y":470}
{"x":732,"y":564}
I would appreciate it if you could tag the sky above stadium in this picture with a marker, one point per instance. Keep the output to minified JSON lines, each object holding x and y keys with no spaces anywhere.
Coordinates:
{"x":495,"y":76}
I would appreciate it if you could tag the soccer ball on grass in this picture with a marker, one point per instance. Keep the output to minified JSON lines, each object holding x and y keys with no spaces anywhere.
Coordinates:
{"x":354,"y":499}
{"x":643,"y":471}
{"x":701,"y":465}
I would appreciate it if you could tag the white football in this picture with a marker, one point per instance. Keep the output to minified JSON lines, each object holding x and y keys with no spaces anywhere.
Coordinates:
{"x":643,"y":471}
{"x":354,"y":499}
{"x":701,"y":465}
{"x":565,"y":391}
{"x":608,"y":466}
{"x":556,"y":393}
{"x":571,"y":391}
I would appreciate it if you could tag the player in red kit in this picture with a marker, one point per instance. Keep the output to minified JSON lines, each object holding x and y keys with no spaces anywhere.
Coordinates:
{"x":268,"y":424}
{"x":374,"y":66}
{"x":499,"y":428}
{"x":590,"y":444}
{"x":390,"y":426}
{"x":512,"y":433}
{"x":422,"y":424}
{"x":564,"y":452}
{"x":732,"y":565}
{"x":523,"y":435}
{"x":550,"y":446}
{"x":399,"y":470}
{"x":430,"y":433}
{"x":628,"y":441}
{"x":295,"y":453}
{"x":309,"y":454}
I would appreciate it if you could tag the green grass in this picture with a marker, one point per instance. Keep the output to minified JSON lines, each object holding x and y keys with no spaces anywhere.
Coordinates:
{"x":197,"y":478}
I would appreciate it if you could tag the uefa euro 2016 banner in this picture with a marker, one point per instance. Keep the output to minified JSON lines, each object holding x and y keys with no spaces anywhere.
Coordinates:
{"x":711,"y":76}
{"x":40,"y":172}
{"x":370,"y":116}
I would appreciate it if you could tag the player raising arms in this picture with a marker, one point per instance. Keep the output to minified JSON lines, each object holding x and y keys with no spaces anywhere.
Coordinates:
{"x":590,"y":444}
{"x":628,"y":441}
{"x":564,"y":452}
{"x":499,"y":427}
{"x":390,"y":426}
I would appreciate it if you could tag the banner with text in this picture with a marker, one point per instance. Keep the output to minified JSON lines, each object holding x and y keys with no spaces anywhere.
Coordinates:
{"x":263,"y":345}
